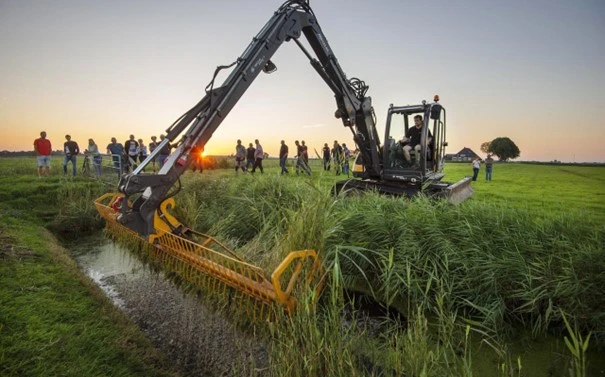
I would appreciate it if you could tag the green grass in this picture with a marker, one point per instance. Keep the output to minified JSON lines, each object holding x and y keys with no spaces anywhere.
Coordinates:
{"x":475,"y":280}
{"x":53,"y":320}
{"x":545,"y":189}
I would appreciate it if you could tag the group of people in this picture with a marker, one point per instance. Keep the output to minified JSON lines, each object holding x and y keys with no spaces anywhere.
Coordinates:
{"x":127,"y":156}
{"x":134,"y":151}
{"x":489,"y":164}
{"x":339,"y":155}
{"x":249,"y":157}
{"x":124,"y":156}
{"x":253,"y":156}
{"x":43,"y":149}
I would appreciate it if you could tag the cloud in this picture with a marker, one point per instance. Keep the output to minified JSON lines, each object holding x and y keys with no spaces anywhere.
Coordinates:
{"x":313,"y":125}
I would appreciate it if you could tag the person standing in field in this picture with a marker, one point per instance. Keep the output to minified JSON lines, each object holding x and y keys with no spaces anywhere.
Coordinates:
{"x":476,"y":167}
{"x":240,"y":157}
{"x":306,"y":154}
{"x":346,"y":156}
{"x":250,"y":156}
{"x":152,"y":146}
{"x":489,"y":163}
{"x":116,"y":150}
{"x":93,"y":151}
{"x":283,"y":157}
{"x":164,"y":152}
{"x":71,"y":149}
{"x":326,"y":157}
{"x":142,"y":150}
{"x":258,"y":157}
{"x":43,"y":150}
{"x":337,"y":157}
{"x":131,"y":148}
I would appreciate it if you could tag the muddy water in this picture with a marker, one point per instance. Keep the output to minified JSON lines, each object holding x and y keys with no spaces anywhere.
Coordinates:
{"x":197,"y":339}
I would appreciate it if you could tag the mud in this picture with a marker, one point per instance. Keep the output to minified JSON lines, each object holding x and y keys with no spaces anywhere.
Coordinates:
{"x":197,"y":339}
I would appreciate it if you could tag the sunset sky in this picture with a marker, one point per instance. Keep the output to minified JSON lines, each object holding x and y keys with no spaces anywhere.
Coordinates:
{"x":530,"y":70}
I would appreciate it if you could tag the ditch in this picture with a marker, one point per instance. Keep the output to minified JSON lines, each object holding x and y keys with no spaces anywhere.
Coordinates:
{"x":199,"y":340}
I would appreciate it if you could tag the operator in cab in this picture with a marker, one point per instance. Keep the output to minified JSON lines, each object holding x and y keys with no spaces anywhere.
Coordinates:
{"x":412,"y":138}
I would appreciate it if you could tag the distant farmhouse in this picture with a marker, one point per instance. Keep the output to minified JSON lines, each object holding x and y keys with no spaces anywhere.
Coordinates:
{"x":465,"y":154}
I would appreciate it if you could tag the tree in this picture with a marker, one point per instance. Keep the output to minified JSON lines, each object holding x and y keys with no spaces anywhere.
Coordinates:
{"x":485,"y":147}
{"x":504,"y":148}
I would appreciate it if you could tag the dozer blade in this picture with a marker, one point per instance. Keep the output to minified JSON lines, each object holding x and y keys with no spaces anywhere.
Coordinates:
{"x":458,"y":192}
{"x":455,"y":193}
{"x":208,"y":264}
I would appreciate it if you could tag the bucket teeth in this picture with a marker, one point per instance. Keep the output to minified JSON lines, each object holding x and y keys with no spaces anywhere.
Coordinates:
{"x":207,"y":264}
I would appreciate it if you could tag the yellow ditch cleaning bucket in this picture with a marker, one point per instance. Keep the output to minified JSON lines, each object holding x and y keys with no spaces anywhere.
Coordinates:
{"x":206,"y":263}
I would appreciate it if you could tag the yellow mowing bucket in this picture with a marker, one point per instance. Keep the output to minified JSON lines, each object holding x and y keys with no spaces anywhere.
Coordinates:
{"x":206,"y":263}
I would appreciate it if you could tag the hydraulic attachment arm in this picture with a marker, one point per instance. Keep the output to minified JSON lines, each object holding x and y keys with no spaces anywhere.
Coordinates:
{"x":145,"y":192}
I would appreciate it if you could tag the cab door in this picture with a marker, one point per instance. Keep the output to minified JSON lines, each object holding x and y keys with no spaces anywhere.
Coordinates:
{"x":397,"y":125}
{"x":437,"y":147}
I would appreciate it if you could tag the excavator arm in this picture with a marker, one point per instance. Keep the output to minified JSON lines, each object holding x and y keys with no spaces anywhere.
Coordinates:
{"x":143,"y":192}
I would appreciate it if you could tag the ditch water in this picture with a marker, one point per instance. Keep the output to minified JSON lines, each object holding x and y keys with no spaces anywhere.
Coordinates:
{"x":195,"y":338}
{"x":201,"y":341}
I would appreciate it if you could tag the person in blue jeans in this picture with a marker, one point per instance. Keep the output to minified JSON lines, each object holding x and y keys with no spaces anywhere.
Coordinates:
{"x":71,"y":150}
{"x":489,"y":163}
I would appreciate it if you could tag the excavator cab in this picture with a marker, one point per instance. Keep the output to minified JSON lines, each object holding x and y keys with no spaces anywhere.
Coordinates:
{"x":413,"y":165}
{"x":414,"y":160}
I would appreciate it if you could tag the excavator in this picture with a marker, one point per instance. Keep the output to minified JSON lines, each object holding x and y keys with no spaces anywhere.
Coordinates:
{"x":142,"y":206}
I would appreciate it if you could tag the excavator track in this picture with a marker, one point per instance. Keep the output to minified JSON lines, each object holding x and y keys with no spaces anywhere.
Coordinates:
{"x":453,"y":192}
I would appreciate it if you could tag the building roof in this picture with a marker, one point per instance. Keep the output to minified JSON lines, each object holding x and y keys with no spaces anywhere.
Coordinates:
{"x":466,"y":152}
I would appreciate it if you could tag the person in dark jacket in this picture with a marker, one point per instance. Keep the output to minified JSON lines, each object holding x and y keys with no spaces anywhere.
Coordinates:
{"x":71,"y":149}
{"x":164,"y":152}
{"x":326,"y":157}
{"x":250,"y":156}
{"x":283,"y":157}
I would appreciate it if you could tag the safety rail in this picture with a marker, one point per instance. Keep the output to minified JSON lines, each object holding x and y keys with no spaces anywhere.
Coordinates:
{"x":206,"y":263}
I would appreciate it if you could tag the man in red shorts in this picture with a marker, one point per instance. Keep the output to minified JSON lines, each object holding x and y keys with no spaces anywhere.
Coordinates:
{"x":43,"y":150}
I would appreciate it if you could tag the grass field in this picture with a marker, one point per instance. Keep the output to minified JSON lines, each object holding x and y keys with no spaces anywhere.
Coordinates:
{"x":53,"y":320}
{"x":547,"y":189}
{"x":502,"y":267}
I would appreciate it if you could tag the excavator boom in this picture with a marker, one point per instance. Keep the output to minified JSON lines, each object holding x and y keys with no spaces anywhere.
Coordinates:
{"x":291,"y":21}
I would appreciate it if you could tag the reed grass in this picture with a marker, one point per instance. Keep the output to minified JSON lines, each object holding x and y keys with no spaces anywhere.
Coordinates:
{"x":477,"y":272}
